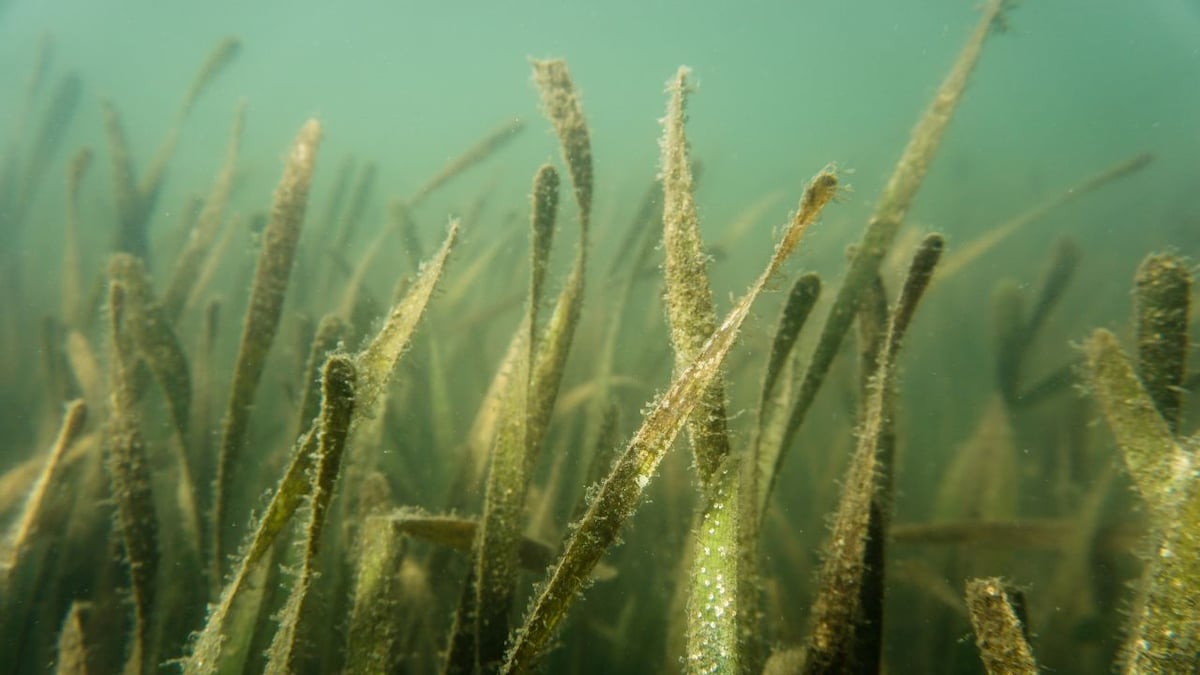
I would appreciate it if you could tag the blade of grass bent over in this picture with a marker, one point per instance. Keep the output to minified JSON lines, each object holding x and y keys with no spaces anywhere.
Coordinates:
{"x":460,"y":534}
{"x":401,"y":218}
{"x":135,"y":199}
{"x":562,"y":106}
{"x":43,"y":146}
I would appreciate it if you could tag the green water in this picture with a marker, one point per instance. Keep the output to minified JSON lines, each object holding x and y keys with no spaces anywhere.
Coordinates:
{"x":1067,"y":90}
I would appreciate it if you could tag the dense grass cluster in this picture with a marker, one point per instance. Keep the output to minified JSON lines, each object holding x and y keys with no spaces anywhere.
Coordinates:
{"x":414,"y":458}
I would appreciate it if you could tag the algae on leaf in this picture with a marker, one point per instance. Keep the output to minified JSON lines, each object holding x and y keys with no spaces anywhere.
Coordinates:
{"x":1001,"y":638}
{"x":1156,"y":462}
{"x":1165,"y":635}
{"x":1163,"y":291}
{"x":690,"y":311}
{"x":137,"y":517}
{"x":620,"y":493}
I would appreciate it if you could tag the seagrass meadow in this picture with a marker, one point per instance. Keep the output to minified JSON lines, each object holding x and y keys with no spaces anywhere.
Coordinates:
{"x":358,"y":341}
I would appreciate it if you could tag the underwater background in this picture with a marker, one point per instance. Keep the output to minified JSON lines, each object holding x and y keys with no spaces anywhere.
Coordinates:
{"x":325,"y":431}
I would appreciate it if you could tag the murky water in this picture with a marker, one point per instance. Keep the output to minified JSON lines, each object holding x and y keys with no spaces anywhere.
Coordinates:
{"x":1074,"y":153}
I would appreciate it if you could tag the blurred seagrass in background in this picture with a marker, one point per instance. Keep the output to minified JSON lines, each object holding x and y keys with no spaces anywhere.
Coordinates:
{"x":531,"y":398}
